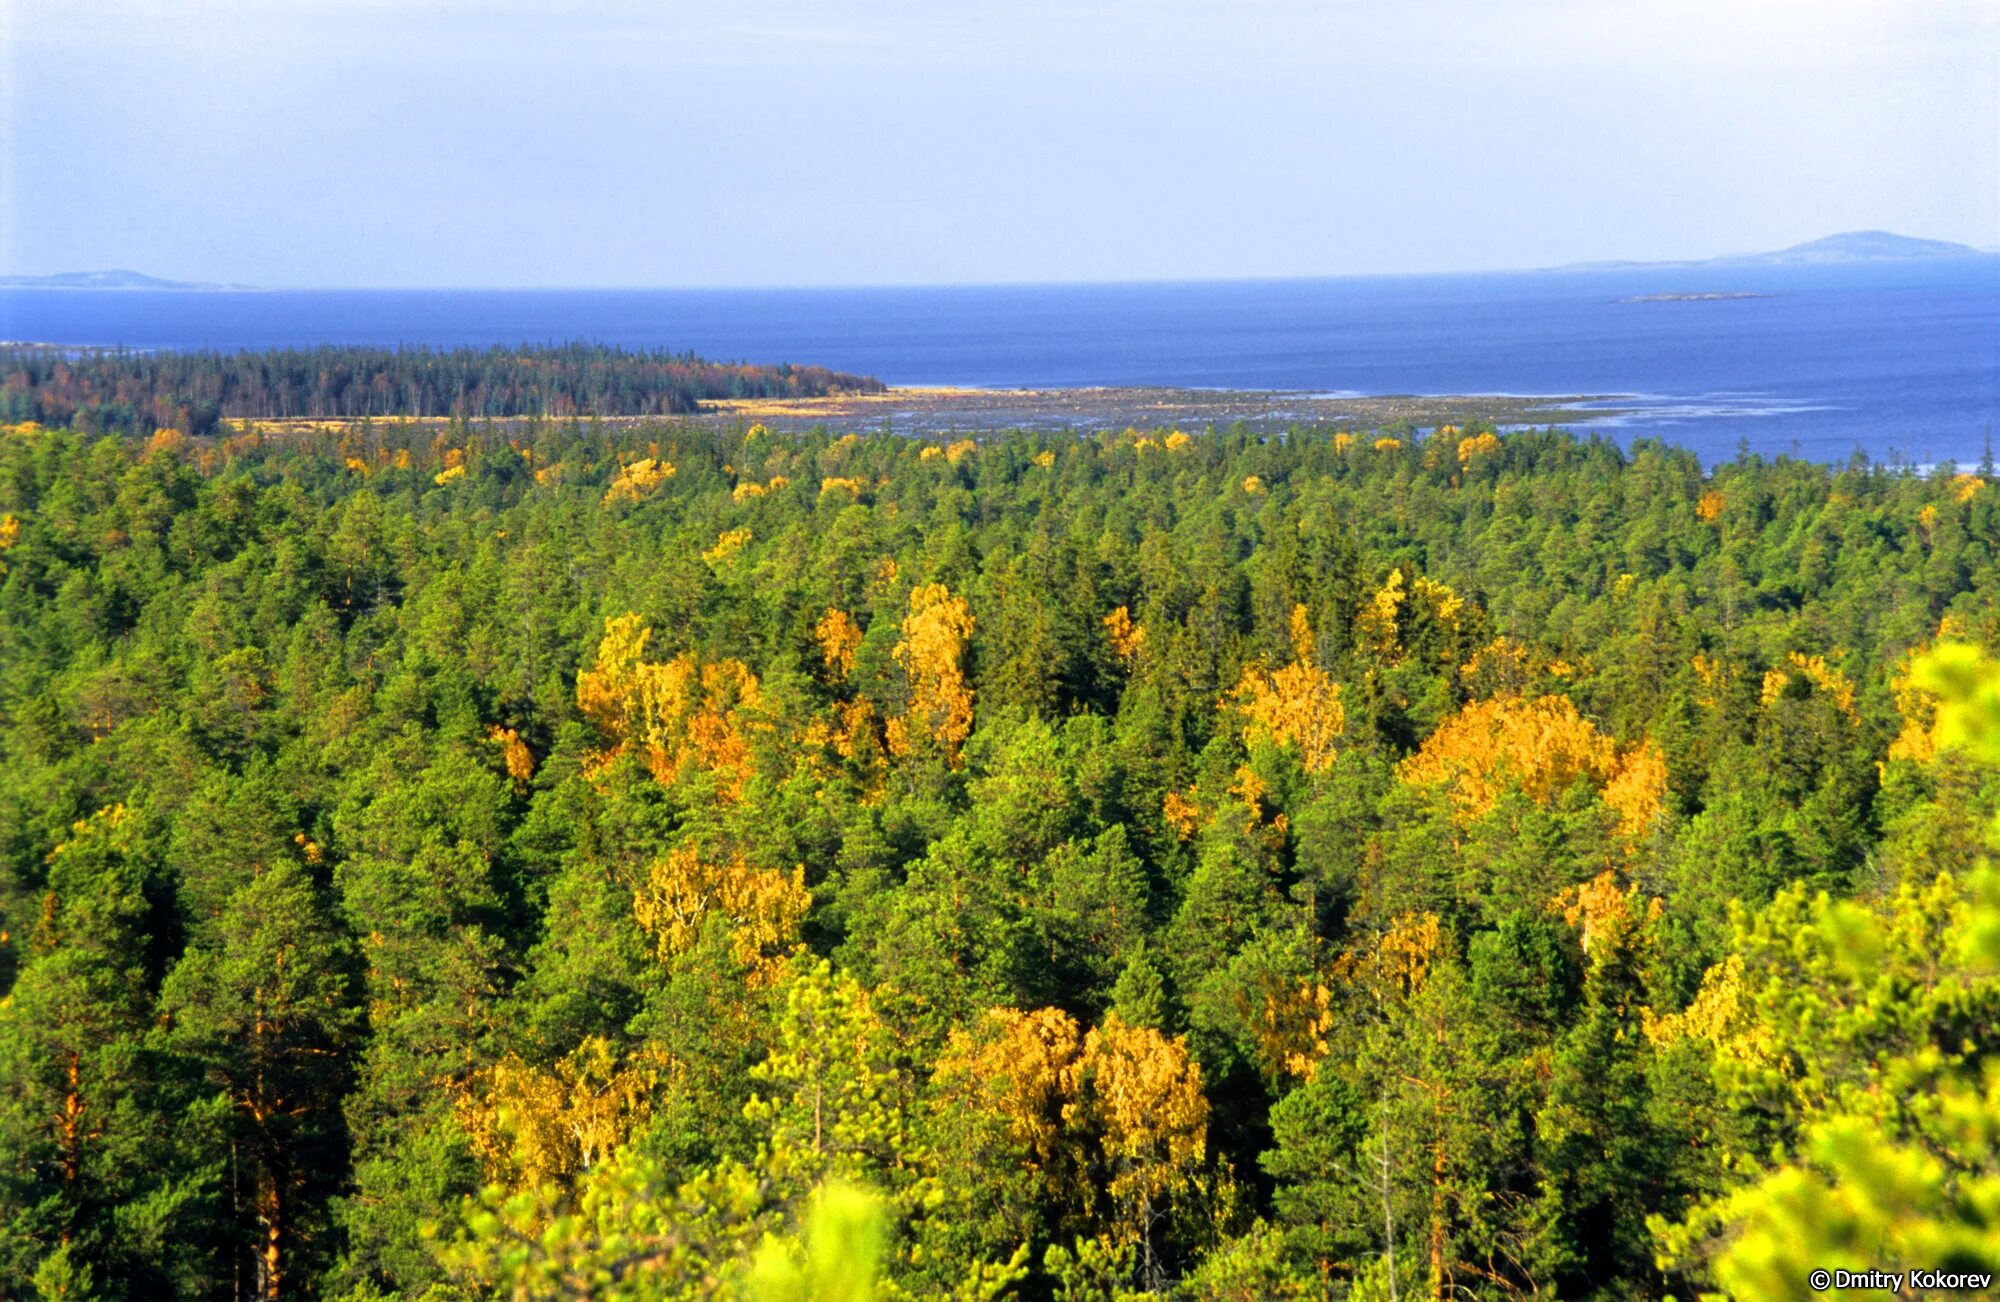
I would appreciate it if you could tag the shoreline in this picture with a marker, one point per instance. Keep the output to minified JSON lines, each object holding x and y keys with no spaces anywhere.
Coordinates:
{"x":920,"y":408}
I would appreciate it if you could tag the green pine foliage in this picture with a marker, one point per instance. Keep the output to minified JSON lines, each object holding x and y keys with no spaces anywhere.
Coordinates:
{"x":537,"y":858}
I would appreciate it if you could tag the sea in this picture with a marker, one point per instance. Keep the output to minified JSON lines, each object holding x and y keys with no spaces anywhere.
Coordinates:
{"x":1897,"y":360}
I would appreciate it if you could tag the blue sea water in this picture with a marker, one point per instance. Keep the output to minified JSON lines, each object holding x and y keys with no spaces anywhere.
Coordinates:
{"x":1899,"y":360}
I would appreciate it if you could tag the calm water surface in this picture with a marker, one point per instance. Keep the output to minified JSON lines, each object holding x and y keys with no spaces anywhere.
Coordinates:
{"x":1896,"y":360}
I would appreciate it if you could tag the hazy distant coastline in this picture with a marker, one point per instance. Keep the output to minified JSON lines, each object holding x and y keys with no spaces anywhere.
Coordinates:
{"x":115,"y":279}
{"x":1847,"y":247}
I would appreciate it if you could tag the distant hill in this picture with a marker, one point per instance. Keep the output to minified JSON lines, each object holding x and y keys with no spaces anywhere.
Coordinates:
{"x":116,"y":279}
{"x":1849,"y":246}
{"x":1860,"y":246}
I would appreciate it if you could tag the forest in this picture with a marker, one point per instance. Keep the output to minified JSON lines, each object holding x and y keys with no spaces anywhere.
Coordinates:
{"x":137,"y":392}
{"x":540,"y":858}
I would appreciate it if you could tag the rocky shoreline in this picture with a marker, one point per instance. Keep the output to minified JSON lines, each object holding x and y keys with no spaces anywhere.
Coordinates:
{"x":922,"y":410}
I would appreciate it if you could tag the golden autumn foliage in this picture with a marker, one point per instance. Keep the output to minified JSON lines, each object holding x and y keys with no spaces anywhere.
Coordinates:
{"x":1713,"y":674}
{"x":1378,"y":619}
{"x":1438,"y":600}
{"x":1501,"y":667}
{"x":1298,"y":705}
{"x":1181,"y":812}
{"x":1398,"y":964}
{"x":931,"y":452}
{"x":1541,"y":745}
{"x":1917,"y":740}
{"x":1606,"y":913}
{"x":856,"y":488}
{"x":1478,"y":445}
{"x":1709,"y":507}
{"x":1965,"y":486}
{"x":1126,"y":636}
{"x":727,"y":544}
{"x":447,"y":475}
{"x":1140,"y":1093}
{"x":10,"y":531}
{"x":936,"y":634}
{"x":1388,"y":445}
{"x":1288,"y":1031}
{"x":520,"y":760}
{"x":605,"y":692}
{"x":358,"y":466}
{"x":1386,"y":618}
{"x":687,"y":716}
{"x":1343,"y":441}
{"x":1177,"y":440}
{"x":1712,"y":1015}
{"x":856,"y":731}
{"x":1015,"y":1067}
{"x":532,"y":1124}
{"x":960,"y":450}
{"x":1923,"y":729}
{"x":839,"y":637}
{"x":1044,"y":459}
{"x":1638,"y":789}
{"x":637,"y":479}
{"x":1253,"y":484}
{"x":746,"y":490}
{"x":1250,"y":792}
{"x":1825,"y":679}
{"x":765,"y":909}
{"x":1122,"y":1104}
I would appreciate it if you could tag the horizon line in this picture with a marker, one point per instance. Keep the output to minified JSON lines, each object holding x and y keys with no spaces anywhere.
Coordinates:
{"x":1585,"y":266}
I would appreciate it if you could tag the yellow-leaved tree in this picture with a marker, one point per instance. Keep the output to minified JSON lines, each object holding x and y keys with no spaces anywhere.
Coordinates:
{"x":936,"y":635}
{"x":765,"y":909}
{"x":839,"y":637}
{"x":1138,"y":1094}
{"x":687,"y":717}
{"x":1543,"y":746}
{"x":1296,"y":706}
{"x":532,"y":1124}
{"x":1116,"y":1113}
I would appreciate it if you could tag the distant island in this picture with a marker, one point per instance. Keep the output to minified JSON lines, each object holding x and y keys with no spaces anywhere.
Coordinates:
{"x":1693,"y":298}
{"x":114,"y":279}
{"x":1848,"y":247}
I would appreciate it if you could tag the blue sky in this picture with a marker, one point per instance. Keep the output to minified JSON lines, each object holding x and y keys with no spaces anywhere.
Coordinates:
{"x":804,"y":142}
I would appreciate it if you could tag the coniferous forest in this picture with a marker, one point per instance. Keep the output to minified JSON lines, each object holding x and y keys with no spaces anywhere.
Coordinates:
{"x":136,"y":392}
{"x":528,"y":859}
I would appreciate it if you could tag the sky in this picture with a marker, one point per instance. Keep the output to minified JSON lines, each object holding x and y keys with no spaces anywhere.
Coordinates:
{"x":831,"y":142}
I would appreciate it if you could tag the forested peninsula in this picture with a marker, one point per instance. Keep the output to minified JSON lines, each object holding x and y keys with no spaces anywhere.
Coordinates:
{"x":543,"y":858}
{"x":98,"y":390}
